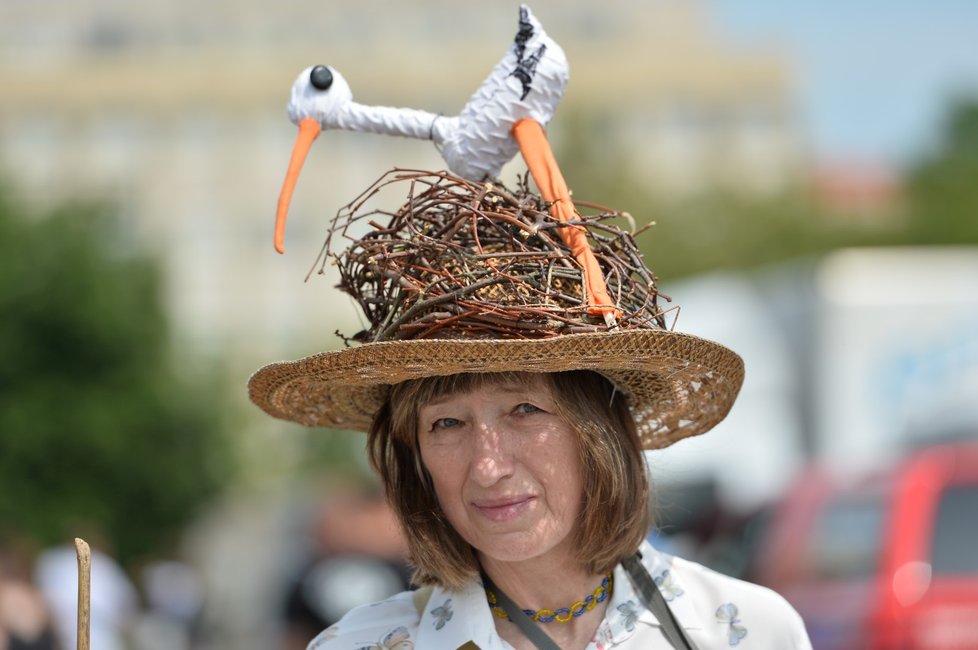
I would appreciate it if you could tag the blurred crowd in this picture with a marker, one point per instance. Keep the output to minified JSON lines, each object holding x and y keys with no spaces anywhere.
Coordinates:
{"x":354,"y":554}
{"x":39,"y":601}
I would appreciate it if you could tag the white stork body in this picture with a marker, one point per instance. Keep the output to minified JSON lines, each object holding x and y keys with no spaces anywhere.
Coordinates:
{"x":526,"y":84}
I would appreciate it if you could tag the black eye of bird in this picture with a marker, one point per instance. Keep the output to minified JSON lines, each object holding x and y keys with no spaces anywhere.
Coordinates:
{"x":321,"y":78}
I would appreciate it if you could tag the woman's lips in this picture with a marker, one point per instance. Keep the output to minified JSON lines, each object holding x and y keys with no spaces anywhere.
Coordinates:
{"x":501,"y":510}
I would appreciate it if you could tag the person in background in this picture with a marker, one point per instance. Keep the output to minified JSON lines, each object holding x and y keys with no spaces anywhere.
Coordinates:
{"x":358,"y":556}
{"x":25,"y":619}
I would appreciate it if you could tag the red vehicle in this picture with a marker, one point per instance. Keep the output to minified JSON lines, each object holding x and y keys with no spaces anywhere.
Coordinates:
{"x":886,"y":562}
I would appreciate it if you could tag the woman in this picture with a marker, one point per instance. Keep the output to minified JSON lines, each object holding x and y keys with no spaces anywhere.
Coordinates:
{"x":508,"y":418}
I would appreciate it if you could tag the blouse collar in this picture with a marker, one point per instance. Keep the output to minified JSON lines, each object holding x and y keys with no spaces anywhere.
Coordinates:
{"x":453,"y":618}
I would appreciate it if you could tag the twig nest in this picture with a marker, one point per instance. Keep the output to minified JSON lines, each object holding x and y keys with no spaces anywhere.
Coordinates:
{"x":461,"y":259}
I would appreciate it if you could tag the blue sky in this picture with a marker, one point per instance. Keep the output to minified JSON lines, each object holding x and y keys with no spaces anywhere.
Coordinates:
{"x":874,"y":75}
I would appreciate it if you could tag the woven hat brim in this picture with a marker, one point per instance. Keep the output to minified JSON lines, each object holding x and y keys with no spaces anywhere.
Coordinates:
{"x":677,"y":385}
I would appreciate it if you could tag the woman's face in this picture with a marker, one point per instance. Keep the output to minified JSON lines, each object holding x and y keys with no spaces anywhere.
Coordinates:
{"x":505,"y":468}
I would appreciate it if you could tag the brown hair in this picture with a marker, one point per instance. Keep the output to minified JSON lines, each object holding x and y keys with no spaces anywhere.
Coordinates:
{"x":614,"y":517}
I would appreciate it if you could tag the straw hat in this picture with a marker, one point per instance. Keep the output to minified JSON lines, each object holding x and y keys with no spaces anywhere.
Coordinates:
{"x":469,"y":277}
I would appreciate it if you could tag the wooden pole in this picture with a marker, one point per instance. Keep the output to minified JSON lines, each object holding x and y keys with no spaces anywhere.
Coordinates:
{"x":84,"y":554}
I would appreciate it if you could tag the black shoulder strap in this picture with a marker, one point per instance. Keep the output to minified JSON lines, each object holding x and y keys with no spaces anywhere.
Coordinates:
{"x":522,"y":621}
{"x":652,"y":598}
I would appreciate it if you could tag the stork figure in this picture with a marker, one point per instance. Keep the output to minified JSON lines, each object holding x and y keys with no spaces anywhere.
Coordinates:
{"x":506,"y":114}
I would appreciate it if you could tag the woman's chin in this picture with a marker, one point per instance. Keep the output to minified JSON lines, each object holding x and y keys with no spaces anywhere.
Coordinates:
{"x":516,"y":547}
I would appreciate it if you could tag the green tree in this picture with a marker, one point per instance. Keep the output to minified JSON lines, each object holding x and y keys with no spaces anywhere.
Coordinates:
{"x":98,"y":429}
{"x":943,"y":187}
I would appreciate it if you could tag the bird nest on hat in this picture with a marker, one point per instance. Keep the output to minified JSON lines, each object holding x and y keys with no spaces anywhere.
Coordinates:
{"x":471,"y":277}
{"x":474,"y":260}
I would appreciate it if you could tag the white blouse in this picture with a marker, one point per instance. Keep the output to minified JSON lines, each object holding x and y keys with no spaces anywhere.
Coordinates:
{"x":716,"y":611}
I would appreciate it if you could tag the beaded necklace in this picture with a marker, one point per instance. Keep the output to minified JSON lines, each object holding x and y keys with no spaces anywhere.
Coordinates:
{"x":563,"y":614}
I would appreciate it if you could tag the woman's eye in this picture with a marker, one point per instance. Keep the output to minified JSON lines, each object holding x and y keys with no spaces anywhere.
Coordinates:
{"x":445,"y":423}
{"x":526,"y":407}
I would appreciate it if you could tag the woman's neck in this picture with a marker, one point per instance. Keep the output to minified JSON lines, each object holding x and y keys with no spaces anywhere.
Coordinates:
{"x":539,"y":583}
{"x":547,"y":583}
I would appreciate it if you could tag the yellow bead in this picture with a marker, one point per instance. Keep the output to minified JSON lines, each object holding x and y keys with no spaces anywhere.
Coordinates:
{"x":543,"y":613}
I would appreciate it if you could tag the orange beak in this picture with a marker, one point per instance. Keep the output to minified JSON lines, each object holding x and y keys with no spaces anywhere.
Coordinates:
{"x":546,"y":174}
{"x":308,"y":131}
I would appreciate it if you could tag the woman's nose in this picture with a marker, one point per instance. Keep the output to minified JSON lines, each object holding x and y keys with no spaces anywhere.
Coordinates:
{"x":492,"y":459}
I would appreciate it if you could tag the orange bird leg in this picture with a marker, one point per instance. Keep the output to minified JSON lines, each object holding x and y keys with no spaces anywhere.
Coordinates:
{"x":308,"y":132}
{"x":546,"y":174}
